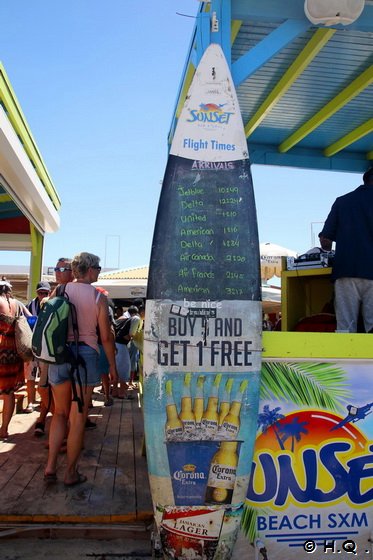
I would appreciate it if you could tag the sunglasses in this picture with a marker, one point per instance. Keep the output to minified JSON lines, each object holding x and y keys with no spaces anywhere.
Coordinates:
{"x":61,"y":269}
{"x":97,"y":268}
{"x":43,"y":293}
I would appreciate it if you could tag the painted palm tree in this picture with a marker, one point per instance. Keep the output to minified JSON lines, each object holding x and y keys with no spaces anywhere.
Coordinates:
{"x":268,"y":419}
{"x":293,"y":429}
{"x":305,"y":383}
{"x":310,"y":384}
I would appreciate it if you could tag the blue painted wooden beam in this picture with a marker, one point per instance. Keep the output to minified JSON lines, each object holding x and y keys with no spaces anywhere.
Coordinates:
{"x":364,"y":23}
{"x":203,"y":36}
{"x":272,"y":10}
{"x":221,"y":10}
{"x":267,"y":154}
{"x":267,"y":9}
{"x":267,"y":48}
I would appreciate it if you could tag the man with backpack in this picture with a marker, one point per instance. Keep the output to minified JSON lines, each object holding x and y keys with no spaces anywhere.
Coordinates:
{"x":63,"y":274}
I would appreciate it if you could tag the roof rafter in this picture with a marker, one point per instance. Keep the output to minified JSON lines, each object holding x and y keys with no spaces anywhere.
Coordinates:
{"x":236,"y":26}
{"x":352,"y":90}
{"x":313,"y":47}
{"x":350,"y":138}
{"x":267,"y":48}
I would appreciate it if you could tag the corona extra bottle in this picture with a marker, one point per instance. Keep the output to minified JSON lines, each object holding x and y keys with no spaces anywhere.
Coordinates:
{"x":231,"y":423}
{"x":174,"y":426}
{"x":198,"y":402}
{"x":210,"y":418}
{"x":186,"y":413}
{"x":225,"y":401}
{"x":222,"y":474}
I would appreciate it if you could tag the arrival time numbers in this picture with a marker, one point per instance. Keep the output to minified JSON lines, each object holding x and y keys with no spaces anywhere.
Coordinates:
{"x":228,"y":203}
{"x":231,"y":232}
{"x":206,"y":239}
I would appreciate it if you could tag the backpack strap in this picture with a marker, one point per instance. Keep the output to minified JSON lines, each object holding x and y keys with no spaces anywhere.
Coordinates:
{"x":77,"y":363}
{"x":60,"y":290}
{"x":76,"y":359}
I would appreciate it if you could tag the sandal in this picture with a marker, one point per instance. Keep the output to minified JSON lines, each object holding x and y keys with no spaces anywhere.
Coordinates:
{"x":79,"y":480}
{"x":50,"y":477}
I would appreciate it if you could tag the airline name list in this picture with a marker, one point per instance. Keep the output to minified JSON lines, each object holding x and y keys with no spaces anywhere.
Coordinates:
{"x":210,"y":239}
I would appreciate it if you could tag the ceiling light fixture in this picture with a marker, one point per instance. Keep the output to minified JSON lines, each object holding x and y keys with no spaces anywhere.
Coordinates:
{"x":333,"y":12}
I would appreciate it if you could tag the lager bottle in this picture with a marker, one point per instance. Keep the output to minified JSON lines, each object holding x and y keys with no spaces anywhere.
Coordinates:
{"x":174,"y":426}
{"x":186,"y":413}
{"x":198,"y":402}
{"x":222,"y":474}
{"x":231,"y":423}
{"x":210,"y":418}
{"x":225,"y":401}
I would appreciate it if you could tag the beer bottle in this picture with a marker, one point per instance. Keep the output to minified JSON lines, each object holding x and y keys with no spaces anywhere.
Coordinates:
{"x":225,"y":401}
{"x":174,"y":426}
{"x":186,"y":413}
{"x":231,"y":423}
{"x":198,"y":402}
{"x":210,"y":418}
{"x":222,"y":474}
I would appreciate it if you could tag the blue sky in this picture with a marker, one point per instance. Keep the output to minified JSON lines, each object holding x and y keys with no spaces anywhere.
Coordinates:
{"x":97,"y":83}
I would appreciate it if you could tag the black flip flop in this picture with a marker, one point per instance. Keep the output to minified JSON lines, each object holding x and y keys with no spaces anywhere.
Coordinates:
{"x":80,"y":479}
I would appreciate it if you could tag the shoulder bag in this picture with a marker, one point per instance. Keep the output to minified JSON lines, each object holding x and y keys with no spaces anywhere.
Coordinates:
{"x":23,"y":336}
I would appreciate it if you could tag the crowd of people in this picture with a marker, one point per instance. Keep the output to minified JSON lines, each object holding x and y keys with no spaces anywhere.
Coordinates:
{"x":103,"y":360}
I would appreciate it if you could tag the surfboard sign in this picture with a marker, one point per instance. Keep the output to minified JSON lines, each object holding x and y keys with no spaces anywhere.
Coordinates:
{"x":202,"y":340}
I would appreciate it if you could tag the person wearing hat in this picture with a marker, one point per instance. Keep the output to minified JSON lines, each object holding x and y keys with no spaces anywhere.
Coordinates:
{"x":43,"y":290}
{"x":32,"y":369}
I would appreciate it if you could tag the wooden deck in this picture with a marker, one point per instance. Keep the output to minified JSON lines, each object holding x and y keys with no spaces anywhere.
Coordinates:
{"x":117,"y":490}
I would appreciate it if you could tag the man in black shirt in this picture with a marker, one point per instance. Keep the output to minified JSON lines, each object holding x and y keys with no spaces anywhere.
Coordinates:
{"x":350,"y":225}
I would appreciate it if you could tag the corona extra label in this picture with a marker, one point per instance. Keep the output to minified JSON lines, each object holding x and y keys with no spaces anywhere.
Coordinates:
{"x":222,"y":475}
{"x":231,"y":423}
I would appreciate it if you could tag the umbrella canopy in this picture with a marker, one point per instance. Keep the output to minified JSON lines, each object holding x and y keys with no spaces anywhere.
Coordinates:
{"x":273,"y":250}
{"x":125,"y":288}
{"x":271,"y":259}
{"x":271,"y":298}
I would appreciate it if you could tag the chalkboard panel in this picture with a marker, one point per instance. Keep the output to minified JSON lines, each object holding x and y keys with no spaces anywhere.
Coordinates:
{"x":205,"y":243}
